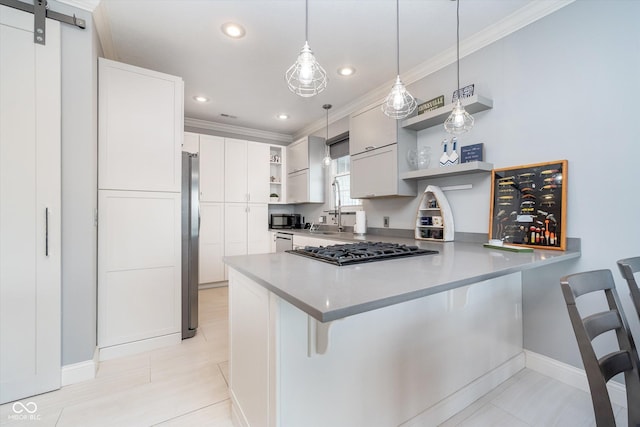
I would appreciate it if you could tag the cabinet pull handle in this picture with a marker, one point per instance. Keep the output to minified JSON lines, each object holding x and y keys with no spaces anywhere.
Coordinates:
{"x":370,"y":147}
{"x":46,"y":231}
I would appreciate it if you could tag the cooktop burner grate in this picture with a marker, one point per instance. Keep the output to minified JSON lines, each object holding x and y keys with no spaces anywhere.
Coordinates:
{"x":354,"y":253}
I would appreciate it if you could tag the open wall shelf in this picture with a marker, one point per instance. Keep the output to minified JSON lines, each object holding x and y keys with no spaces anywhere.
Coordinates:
{"x":459,"y":169}
{"x":434,"y":220}
{"x":473,"y":104}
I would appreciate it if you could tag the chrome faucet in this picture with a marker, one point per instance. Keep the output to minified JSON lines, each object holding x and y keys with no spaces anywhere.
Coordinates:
{"x":336,"y":188}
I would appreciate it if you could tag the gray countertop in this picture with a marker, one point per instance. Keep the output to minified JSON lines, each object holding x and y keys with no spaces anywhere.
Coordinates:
{"x":328,"y":292}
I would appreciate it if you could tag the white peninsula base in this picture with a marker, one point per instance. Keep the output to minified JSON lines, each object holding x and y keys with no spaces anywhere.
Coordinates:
{"x":416,"y":363}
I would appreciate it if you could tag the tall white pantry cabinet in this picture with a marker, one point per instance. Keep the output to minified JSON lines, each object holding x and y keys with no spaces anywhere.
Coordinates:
{"x":139,"y":248}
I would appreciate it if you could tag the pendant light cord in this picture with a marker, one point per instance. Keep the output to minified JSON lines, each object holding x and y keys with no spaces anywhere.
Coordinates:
{"x":306,"y":20}
{"x":458,"y":42}
{"x":398,"y":36}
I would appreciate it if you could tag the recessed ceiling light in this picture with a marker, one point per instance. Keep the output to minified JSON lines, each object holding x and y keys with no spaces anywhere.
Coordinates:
{"x":282,"y":116}
{"x":233,"y":30}
{"x":201,"y":98}
{"x":346,"y":71}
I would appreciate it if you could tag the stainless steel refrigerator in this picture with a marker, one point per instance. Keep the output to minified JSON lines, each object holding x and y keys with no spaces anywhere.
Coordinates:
{"x":190,"y":232}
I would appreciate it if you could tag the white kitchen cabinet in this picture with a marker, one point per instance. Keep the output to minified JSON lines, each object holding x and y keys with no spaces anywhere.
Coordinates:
{"x":258,"y":172}
{"x":378,"y":146}
{"x":258,"y":241}
{"x":246,"y":176}
{"x":30,"y":211}
{"x":371,"y":129}
{"x":141,"y":128}
{"x":211,"y":249}
{"x":212,"y":168}
{"x":191,"y":142}
{"x":235,"y":229}
{"x":298,"y":187}
{"x":305,"y":178}
{"x":139,"y":268}
{"x":246,"y":229}
{"x":140,"y":135}
{"x":298,"y":155}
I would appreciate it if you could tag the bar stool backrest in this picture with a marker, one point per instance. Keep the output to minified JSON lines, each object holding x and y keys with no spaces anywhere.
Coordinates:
{"x":628,"y":267}
{"x":621,"y":360}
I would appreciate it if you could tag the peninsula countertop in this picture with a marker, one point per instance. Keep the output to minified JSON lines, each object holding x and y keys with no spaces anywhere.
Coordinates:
{"x":327,"y":292}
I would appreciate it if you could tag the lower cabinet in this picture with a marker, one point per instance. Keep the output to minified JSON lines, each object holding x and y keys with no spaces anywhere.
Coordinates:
{"x":246,"y":229}
{"x":211,"y":267}
{"x":139,"y":273}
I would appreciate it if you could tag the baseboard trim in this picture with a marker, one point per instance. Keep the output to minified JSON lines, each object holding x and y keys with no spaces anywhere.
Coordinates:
{"x":571,"y":375}
{"x":128,"y":349}
{"x":79,"y":372}
{"x":451,"y":405}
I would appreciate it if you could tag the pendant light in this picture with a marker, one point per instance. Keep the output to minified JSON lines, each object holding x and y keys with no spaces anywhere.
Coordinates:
{"x":326,"y":161}
{"x":306,"y":77}
{"x":399,"y":103}
{"x":459,"y":121}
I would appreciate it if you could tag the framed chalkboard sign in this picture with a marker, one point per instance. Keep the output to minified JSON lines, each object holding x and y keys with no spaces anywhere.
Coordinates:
{"x":528,"y":205}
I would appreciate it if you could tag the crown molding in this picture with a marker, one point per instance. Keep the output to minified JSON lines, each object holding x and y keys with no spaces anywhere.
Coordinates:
{"x":506,"y":26}
{"x":101,"y":21}
{"x":238,"y":130}
{"x":88,"y":5}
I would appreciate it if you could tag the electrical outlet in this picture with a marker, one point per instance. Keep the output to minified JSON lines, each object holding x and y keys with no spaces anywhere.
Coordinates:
{"x":322,"y":219}
{"x":385,"y":221}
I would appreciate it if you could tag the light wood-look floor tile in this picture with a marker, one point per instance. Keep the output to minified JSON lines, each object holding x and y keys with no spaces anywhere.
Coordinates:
{"x":187,"y":385}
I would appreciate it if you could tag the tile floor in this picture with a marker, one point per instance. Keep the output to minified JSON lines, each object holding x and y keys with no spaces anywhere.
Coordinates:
{"x":186,"y":385}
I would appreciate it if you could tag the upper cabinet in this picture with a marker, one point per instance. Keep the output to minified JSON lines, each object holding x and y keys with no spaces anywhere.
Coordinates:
{"x":141,"y":128}
{"x":305,"y":178}
{"x":298,"y":154}
{"x":371,"y":129}
{"x":212,"y":167}
{"x":246,"y":177}
{"x":378,"y":146}
{"x":191,"y":142}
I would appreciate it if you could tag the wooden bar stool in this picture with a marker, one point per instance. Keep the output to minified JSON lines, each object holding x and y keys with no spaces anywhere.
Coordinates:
{"x":628,"y":267}
{"x":621,"y":360}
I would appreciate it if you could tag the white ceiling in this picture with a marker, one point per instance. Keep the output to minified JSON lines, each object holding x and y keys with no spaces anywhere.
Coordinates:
{"x":245,"y":77}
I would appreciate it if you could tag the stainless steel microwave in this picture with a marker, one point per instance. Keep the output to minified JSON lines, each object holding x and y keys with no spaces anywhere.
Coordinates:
{"x":289,"y":221}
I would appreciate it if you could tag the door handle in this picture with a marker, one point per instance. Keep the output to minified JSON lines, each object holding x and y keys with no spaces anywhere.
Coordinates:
{"x":46,"y":231}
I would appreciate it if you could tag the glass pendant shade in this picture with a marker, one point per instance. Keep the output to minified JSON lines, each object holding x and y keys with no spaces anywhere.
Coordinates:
{"x":326,"y":161}
{"x":306,"y":77}
{"x":459,"y":121}
{"x":399,"y":103}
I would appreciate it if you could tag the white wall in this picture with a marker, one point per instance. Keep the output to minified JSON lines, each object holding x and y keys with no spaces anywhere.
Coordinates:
{"x":564,"y":87}
{"x":79,"y":183}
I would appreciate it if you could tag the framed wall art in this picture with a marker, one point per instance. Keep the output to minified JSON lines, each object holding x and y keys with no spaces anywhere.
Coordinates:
{"x":529,"y":205}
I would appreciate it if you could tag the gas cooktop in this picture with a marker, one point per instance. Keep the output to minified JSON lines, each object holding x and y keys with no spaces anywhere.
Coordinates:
{"x":355,"y":253}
